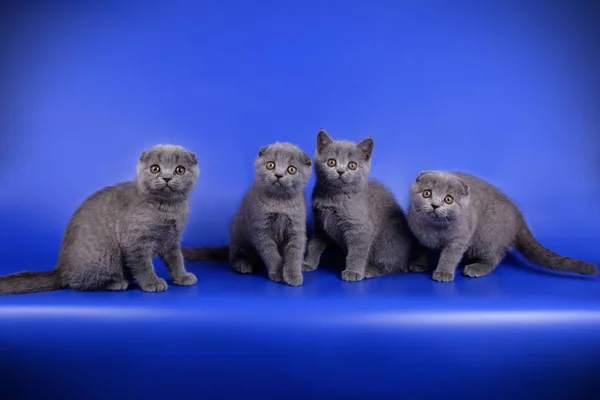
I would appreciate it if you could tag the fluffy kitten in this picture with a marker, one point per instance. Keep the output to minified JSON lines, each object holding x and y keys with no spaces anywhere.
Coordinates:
{"x":462,"y":215}
{"x":357,"y":213}
{"x":114,"y":234}
{"x":270,"y":225}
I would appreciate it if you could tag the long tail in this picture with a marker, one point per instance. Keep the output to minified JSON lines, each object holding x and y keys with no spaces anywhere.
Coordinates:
{"x":538,"y":254}
{"x":209,"y":254}
{"x":30,"y":282}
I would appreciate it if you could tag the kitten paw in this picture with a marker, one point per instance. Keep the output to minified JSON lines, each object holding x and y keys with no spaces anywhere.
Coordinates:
{"x":417,"y":267}
{"x":372,"y":272}
{"x":351,"y":276}
{"x":442,"y":276}
{"x":307,"y":267}
{"x":276,"y":276}
{"x":117,"y":286}
{"x":476,"y":270}
{"x":293,"y":280}
{"x":188,"y":279}
{"x":158,"y":285}
{"x":243,"y":267}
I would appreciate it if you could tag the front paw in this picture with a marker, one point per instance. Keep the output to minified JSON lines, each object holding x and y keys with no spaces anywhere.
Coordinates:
{"x":417,"y":267}
{"x":188,"y":279}
{"x":351,"y":276}
{"x":293,"y":280}
{"x":309,"y":267}
{"x":276,"y":276}
{"x":443,"y":276}
{"x":155,"y":285}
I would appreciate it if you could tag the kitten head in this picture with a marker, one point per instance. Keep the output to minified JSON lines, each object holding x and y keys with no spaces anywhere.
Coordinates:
{"x":343,"y":164}
{"x":282,"y":169}
{"x":439,"y":197}
{"x":167,"y":172}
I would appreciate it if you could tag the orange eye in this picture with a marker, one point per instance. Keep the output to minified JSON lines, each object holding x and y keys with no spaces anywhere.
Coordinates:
{"x":180,"y":170}
{"x":448,"y":199}
{"x":155,"y":169}
{"x":427,"y":193}
{"x":270,"y":165}
{"x":352,"y":165}
{"x":331,"y":162}
{"x":292,"y":170}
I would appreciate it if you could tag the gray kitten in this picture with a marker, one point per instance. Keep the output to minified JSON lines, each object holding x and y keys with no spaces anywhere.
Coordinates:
{"x":357,"y":213}
{"x":463,"y":215}
{"x":270,"y":225}
{"x":115,"y":232}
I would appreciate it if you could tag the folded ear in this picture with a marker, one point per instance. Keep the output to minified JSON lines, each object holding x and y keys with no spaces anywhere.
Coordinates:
{"x":323,"y":140}
{"x":422,"y":175}
{"x":366,"y":146}
{"x":193,"y":157}
{"x":464,"y":188}
{"x":306,"y":159}
{"x":262,"y":150}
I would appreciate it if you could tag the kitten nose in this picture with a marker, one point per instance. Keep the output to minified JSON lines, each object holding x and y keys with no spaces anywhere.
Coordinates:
{"x":167,"y":180}
{"x":435,"y":206}
{"x":278,"y":176}
{"x":341,"y":172}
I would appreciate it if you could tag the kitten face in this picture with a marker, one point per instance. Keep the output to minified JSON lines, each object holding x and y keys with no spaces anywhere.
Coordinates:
{"x":439,"y":197}
{"x":282,"y":169}
{"x":340,"y":163}
{"x":167,"y":172}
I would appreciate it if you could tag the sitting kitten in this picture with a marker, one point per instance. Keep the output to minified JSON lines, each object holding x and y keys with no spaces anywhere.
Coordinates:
{"x":462,"y":215}
{"x":357,"y":213}
{"x":114,"y":234}
{"x":270,"y":225}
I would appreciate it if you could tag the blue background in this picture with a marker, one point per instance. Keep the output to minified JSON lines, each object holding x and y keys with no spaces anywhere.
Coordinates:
{"x":506,"y":90}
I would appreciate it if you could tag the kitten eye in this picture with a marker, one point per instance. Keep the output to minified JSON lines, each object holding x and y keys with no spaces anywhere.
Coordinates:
{"x":270,"y":165}
{"x":180,"y":170}
{"x":427,"y":193}
{"x":155,"y":169}
{"x":448,"y":199}
{"x":352,"y":165}
{"x":331,"y":162}
{"x":292,"y":170}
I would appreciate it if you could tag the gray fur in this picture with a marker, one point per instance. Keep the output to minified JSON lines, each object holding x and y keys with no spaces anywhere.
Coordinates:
{"x":115,"y":232}
{"x":270,"y":225}
{"x":357,"y":213}
{"x":480,"y":224}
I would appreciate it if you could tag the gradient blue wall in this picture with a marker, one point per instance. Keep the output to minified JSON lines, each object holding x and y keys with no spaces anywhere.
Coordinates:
{"x":506,"y":90}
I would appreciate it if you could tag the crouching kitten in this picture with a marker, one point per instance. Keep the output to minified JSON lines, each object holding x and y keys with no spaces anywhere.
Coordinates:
{"x":464,"y":216}
{"x":115,"y":232}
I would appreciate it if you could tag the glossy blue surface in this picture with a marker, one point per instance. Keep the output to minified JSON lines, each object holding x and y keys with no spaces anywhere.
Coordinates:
{"x":506,"y":90}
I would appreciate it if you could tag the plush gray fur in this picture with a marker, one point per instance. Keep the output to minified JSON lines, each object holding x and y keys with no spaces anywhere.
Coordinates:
{"x":355,"y":212}
{"x":270,"y":225}
{"x":114,"y":234}
{"x":480,"y":224}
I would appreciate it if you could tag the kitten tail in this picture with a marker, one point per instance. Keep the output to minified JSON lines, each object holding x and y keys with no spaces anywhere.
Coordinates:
{"x":208,"y":254}
{"x":30,"y":282}
{"x":538,"y":254}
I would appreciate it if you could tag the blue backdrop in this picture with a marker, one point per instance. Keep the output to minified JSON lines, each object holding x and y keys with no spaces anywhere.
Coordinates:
{"x":506,"y":90}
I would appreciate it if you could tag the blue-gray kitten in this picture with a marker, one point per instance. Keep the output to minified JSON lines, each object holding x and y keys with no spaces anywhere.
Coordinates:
{"x":270,"y":225}
{"x":114,"y":234}
{"x":464,"y":216}
{"x":357,"y":213}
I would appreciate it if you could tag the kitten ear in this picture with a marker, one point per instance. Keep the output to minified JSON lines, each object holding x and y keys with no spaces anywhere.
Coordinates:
{"x":193,"y":158}
{"x":323,"y":140}
{"x":145,"y":156}
{"x":306,"y":159}
{"x":422,"y":174}
{"x":366,"y":146}
{"x":464,"y":188}
{"x":262,"y":151}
